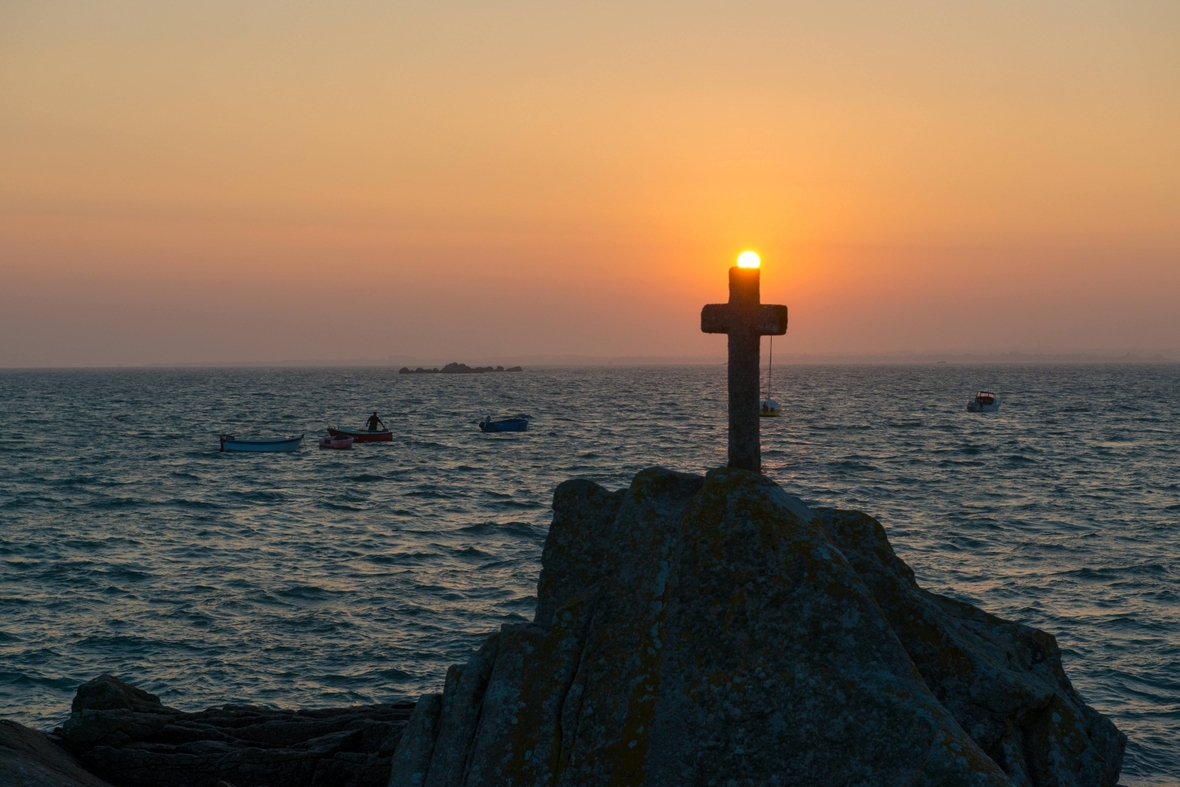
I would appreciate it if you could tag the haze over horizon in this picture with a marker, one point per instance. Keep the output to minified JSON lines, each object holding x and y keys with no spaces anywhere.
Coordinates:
{"x":248,"y":182}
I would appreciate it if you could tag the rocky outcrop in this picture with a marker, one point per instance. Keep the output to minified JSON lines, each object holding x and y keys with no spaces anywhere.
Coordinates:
{"x":126,"y":736}
{"x":717,"y":631}
{"x":32,"y":759}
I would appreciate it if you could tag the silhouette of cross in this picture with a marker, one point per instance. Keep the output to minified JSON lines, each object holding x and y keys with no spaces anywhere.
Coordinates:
{"x":746,"y":320}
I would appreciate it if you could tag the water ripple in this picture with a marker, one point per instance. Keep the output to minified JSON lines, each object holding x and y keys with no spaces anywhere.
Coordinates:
{"x":131,"y":545}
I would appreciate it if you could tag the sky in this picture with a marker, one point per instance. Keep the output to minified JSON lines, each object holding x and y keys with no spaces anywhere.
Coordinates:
{"x":256,"y":181}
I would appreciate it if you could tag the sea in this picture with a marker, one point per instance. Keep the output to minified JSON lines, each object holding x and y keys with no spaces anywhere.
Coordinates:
{"x":130,"y":545}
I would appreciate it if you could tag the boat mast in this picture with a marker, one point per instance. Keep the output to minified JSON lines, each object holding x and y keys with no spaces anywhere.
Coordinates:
{"x":770,"y":367}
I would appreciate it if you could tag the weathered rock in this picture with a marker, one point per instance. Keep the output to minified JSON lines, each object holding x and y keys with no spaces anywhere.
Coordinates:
{"x":31,"y":759}
{"x":109,"y":693}
{"x":717,"y":631}
{"x":126,"y":736}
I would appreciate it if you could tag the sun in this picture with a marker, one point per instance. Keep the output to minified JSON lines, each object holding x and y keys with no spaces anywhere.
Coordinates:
{"x":748,"y":259}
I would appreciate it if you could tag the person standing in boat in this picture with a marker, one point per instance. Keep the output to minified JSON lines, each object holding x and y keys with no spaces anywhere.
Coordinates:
{"x":374,"y":423}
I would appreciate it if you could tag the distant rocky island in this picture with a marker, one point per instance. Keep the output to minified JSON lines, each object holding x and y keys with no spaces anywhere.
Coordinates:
{"x":459,"y":368}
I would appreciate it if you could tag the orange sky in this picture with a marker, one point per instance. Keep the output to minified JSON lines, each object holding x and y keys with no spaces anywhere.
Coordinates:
{"x":265,"y":181}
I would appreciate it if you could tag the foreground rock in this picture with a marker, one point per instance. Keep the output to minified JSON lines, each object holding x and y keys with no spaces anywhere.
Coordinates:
{"x":716,"y":631}
{"x":127,"y":737}
{"x":31,"y":759}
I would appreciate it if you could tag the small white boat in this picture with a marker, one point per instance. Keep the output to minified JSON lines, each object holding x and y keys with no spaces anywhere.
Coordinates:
{"x":984,"y":402}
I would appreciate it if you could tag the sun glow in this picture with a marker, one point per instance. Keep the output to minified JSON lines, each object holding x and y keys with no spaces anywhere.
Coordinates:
{"x":748,"y":259}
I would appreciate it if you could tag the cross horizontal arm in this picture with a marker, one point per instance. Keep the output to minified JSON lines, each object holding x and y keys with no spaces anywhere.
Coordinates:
{"x":715,"y":318}
{"x":763,"y":321}
{"x":772,"y":320}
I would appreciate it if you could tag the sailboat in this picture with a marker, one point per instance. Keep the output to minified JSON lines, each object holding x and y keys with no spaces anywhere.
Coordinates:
{"x":768,"y":407}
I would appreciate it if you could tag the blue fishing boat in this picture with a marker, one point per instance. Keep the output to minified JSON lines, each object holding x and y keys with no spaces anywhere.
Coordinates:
{"x":519,"y":423}
{"x":231,"y":443}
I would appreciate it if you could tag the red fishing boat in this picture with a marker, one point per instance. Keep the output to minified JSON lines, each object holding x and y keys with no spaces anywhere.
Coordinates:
{"x":363,"y":435}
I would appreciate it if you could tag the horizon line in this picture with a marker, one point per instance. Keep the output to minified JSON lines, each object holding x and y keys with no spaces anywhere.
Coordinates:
{"x":899,"y":358}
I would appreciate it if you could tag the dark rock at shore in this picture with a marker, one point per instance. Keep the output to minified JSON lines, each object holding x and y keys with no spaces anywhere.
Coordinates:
{"x":717,"y":631}
{"x":29,"y":758}
{"x":109,"y":693}
{"x":126,"y":736}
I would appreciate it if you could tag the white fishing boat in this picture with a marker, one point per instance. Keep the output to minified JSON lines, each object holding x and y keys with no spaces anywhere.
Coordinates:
{"x":984,"y":402}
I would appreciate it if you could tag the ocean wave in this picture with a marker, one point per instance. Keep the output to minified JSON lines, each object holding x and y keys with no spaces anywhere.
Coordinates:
{"x":290,"y":579}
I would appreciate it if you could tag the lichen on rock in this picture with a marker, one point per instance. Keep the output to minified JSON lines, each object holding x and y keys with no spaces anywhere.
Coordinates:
{"x":717,"y":631}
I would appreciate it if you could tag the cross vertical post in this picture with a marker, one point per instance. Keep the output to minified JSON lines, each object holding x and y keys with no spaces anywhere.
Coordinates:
{"x":746,"y":320}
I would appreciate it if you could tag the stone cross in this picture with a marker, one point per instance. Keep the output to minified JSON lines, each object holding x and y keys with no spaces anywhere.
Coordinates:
{"x":746,"y":320}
